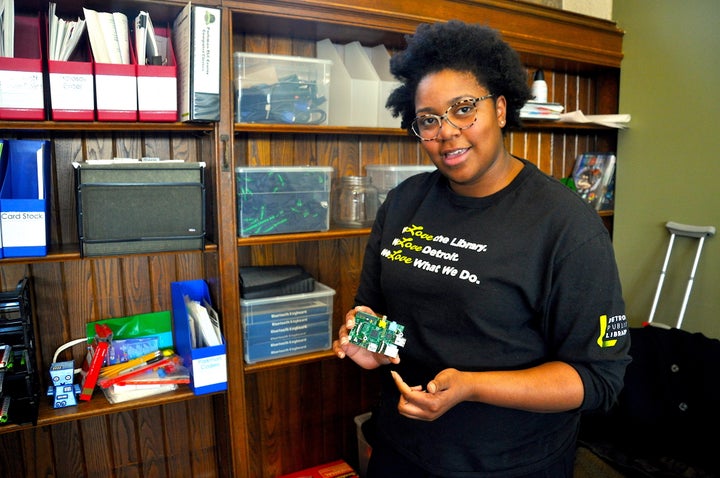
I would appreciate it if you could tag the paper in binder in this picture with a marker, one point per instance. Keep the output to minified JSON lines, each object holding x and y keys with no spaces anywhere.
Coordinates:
{"x":24,"y":199}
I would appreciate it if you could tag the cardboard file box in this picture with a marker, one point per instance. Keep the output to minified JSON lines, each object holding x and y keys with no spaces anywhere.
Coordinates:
{"x":380,"y":60}
{"x":72,"y":90}
{"x":207,"y":365}
{"x":196,"y":38}
{"x":274,"y":200}
{"x":354,"y":85}
{"x":21,"y":77}
{"x":140,"y":207}
{"x":281,"y":89}
{"x":286,"y":325}
{"x":157,"y":86}
{"x":24,"y":218}
{"x":116,"y":92}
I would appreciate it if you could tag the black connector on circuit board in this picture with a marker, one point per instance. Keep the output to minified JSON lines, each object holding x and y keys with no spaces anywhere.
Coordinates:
{"x":377,"y":334}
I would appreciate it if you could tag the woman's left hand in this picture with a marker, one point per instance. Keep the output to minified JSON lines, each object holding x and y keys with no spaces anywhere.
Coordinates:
{"x":446,"y":390}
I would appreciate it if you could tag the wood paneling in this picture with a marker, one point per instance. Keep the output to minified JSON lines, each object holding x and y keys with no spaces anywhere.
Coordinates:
{"x":297,"y":413}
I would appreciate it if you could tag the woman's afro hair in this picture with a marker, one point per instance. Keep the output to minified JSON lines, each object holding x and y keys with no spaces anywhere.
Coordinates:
{"x":460,"y":46}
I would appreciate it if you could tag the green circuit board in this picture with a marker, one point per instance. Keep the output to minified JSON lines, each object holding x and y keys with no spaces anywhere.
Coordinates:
{"x":377,"y":334}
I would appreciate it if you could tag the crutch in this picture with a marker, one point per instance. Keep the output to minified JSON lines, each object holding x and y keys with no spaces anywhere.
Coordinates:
{"x":677,"y":229}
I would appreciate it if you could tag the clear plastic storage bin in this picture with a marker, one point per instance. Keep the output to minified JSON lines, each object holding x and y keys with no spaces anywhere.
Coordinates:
{"x":281,"y":89}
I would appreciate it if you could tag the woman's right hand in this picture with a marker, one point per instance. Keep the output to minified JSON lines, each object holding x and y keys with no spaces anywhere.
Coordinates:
{"x":361,"y":356}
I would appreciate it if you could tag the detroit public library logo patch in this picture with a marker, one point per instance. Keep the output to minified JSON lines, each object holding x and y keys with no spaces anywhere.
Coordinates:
{"x":611,"y":329}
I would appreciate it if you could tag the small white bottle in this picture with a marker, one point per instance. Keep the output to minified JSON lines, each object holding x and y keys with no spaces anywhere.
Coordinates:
{"x":539,"y":87}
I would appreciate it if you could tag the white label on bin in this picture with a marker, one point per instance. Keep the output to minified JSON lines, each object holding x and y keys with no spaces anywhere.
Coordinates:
{"x":116,"y":92}
{"x":157,"y":93}
{"x":209,"y":370}
{"x":71,"y":91}
{"x":23,"y":228}
{"x":21,"y":89}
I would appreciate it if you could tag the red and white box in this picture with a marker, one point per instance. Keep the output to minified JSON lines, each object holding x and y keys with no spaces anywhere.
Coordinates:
{"x":21,"y":76}
{"x":157,"y":85}
{"x":116,"y":90}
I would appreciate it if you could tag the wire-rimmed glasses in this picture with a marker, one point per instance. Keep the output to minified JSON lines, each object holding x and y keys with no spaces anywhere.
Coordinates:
{"x":460,"y":115}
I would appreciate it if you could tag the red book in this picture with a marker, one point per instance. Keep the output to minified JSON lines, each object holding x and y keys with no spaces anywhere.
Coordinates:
{"x":335,"y":469}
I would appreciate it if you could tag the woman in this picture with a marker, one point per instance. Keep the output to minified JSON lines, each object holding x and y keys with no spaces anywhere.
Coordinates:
{"x":504,"y":280}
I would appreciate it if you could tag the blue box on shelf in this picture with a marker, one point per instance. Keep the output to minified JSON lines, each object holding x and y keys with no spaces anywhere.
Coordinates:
{"x":286,"y":325}
{"x":207,"y":365}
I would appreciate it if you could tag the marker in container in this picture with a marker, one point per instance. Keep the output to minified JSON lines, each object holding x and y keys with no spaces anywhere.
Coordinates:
{"x":4,"y":410}
{"x":5,"y":355}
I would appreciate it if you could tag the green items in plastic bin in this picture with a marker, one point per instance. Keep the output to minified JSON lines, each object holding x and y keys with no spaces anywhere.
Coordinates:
{"x":154,"y":324}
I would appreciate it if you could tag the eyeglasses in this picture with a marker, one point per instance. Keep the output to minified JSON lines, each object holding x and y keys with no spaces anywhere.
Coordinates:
{"x":461,"y":115}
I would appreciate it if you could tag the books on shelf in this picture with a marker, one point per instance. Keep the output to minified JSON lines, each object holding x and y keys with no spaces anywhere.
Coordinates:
{"x":593,"y":178}
{"x":541,"y":111}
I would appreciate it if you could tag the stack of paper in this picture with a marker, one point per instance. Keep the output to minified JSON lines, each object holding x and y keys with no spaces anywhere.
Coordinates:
{"x":541,"y":111}
{"x":613,"y":121}
{"x":108,"y":36}
{"x":7,"y":27}
{"x":64,"y":36}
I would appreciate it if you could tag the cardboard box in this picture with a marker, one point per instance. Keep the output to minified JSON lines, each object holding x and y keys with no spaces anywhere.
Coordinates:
{"x":21,"y":77}
{"x":196,"y":38}
{"x":387,"y":176}
{"x":141,"y":207}
{"x":72,"y":90}
{"x":274,"y":200}
{"x":72,"y":84}
{"x":116,"y":91}
{"x":380,"y":59}
{"x":24,"y":199}
{"x":207,"y":365}
{"x":157,"y":85}
{"x":281,"y":89}
{"x":354,"y":85}
{"x":287,"y":325}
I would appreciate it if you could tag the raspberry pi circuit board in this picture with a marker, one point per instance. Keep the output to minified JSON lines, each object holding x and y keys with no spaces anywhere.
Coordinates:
{"x":377,"y":334}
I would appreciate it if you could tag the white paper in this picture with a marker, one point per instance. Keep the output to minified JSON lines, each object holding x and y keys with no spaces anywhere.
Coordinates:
{"x":613,"y":121}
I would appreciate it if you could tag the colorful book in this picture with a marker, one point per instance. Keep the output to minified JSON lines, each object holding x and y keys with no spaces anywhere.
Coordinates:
{"x":592,"y":175}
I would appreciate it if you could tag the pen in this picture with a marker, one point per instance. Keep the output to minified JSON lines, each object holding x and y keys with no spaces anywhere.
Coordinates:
{"x":4,"y":410}
{"x":117,"y":369}
{"x":150,"y":365}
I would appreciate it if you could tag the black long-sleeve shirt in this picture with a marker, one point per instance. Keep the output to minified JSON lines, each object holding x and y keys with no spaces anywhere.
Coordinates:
{"x":505,"y":282}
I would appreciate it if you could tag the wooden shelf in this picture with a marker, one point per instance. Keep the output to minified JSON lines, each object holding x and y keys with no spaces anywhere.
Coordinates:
{"x":73,"y":127}
{"x":288,"y":361}
{"x":302,"y":236}
{"x":97,"y":406}
{"x":365,"y":130}
{"x":71,"y":252}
